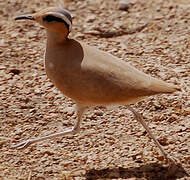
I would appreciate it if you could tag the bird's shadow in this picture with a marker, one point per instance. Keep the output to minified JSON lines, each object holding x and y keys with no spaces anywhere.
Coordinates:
{"x":153,"y":171}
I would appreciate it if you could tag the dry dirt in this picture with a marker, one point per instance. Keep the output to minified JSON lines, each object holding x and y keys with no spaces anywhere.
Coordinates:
{"x":153,"y":36}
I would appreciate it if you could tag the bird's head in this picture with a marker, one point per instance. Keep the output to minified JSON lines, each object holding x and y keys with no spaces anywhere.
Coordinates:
{"x":57,"y":20}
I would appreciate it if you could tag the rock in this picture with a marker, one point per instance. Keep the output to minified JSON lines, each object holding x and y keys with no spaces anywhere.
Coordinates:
{"x":124,"y":5}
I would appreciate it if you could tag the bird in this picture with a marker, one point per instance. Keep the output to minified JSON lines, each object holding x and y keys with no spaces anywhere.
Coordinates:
{"x":89,"y":76}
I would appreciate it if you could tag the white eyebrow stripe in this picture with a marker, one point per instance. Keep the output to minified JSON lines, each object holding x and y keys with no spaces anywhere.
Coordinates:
{"x":62,"y":16}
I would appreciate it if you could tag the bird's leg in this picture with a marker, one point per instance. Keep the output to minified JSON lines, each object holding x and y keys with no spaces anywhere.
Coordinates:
{"x":140,"y":119}
{"x":75,"y":129}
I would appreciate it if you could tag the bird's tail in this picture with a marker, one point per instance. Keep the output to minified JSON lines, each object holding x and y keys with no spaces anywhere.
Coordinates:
{"x":159,"y":86}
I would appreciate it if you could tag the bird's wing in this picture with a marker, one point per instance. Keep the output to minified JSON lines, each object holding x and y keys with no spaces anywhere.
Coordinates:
{"x":126,"y":75}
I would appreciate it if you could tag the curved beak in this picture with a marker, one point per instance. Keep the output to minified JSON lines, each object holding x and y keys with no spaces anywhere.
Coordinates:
{"x":27,"y":16}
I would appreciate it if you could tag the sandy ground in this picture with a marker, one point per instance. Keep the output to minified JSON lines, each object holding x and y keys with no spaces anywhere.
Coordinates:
{"x":153,"y":36}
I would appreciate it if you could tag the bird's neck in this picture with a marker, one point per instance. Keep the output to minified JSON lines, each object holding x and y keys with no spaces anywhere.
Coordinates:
{"x":54,"y":38}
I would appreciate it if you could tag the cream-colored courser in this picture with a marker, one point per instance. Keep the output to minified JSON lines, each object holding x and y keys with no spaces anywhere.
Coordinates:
{"x":90,"y":76}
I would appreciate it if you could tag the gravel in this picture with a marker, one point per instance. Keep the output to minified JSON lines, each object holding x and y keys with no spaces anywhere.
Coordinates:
{"x":111,"y":144}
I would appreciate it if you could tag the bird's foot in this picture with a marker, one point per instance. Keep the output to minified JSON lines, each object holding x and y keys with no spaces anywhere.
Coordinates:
{"x":172,"y":161}
{"x":22,"y":145}
{"x":173,"y":165}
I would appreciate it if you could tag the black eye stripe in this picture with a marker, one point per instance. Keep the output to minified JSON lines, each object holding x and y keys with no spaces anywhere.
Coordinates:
{"x":50,"y":18}
{"x":66,"y":13}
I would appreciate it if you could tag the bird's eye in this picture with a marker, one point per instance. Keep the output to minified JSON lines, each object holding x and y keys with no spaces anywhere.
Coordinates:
{"x":50,"y":18}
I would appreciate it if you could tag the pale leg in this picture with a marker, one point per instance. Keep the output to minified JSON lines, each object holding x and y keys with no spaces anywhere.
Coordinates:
{"x":75,"y":129}
{"x":140,"y":119}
